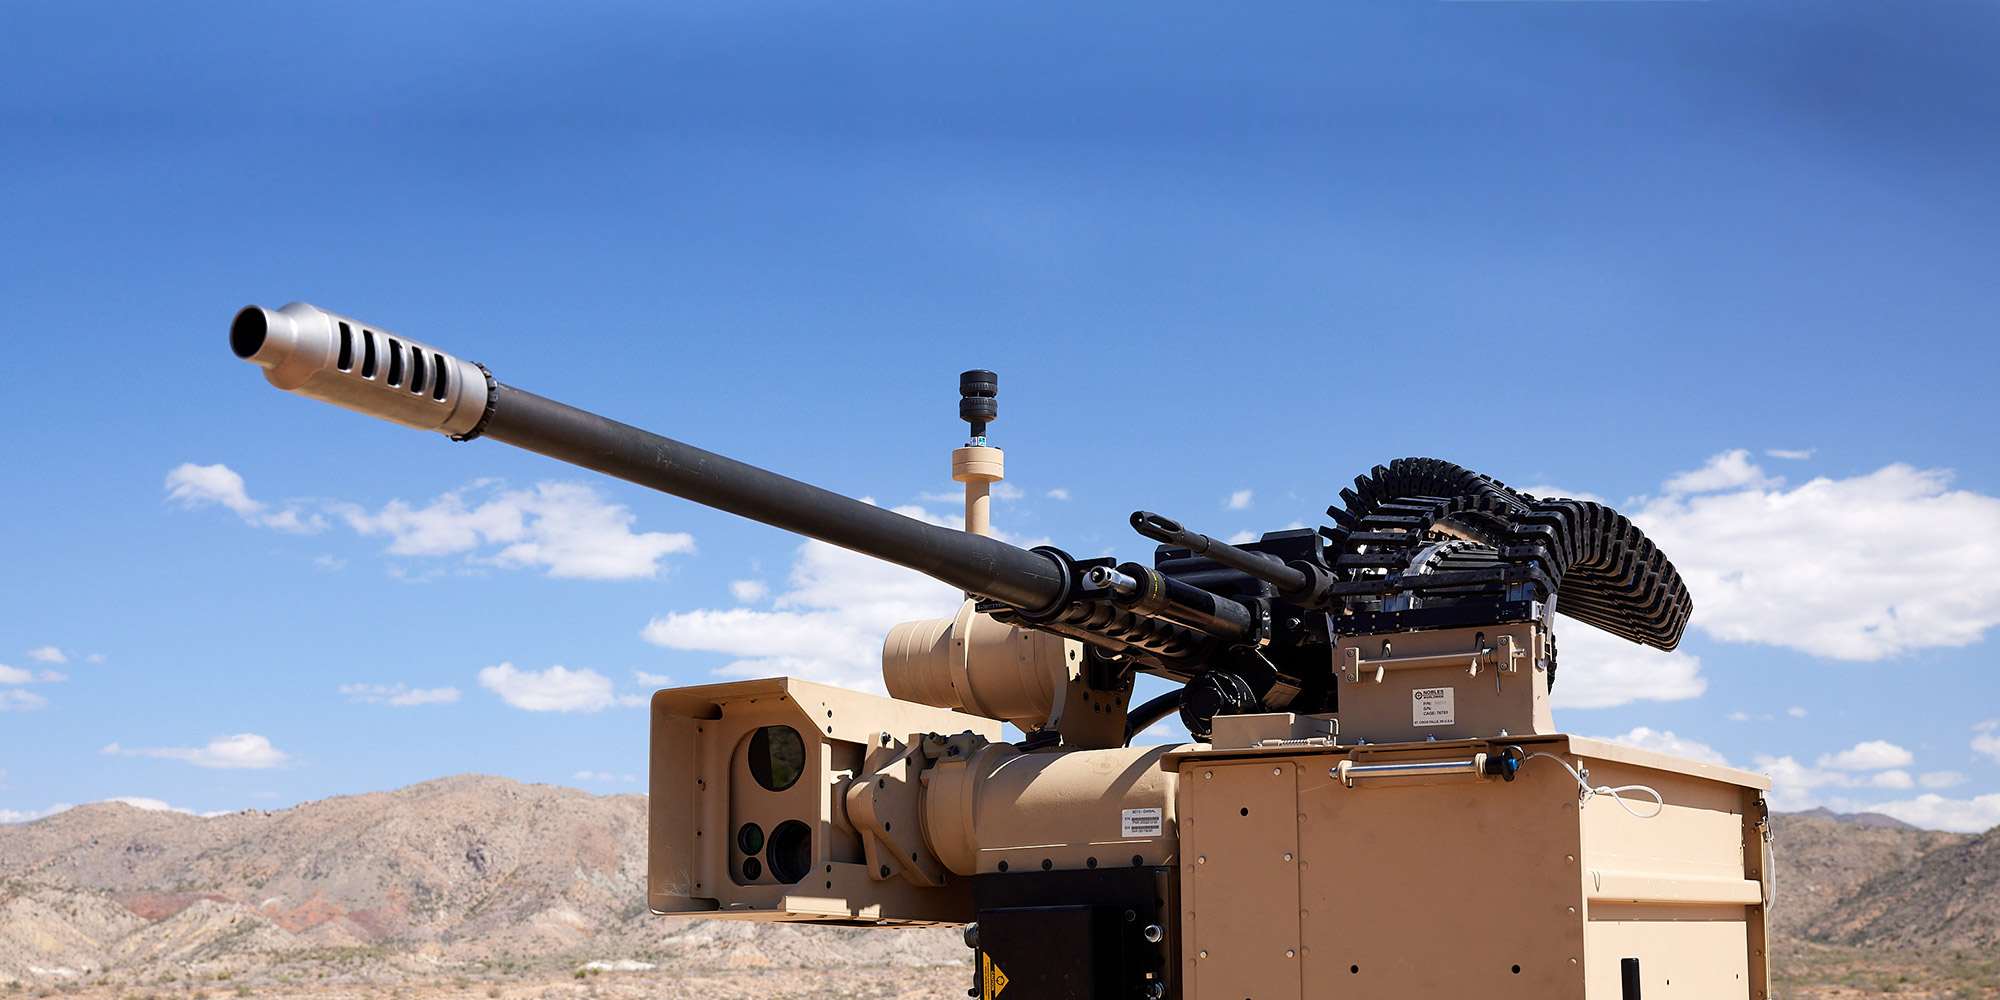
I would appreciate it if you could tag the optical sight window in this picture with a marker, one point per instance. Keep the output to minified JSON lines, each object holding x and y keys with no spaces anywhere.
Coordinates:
{"x":791,"y":852}
{"x":777,"y":759}
{"x":750,"y":838}
{"x":751,"y":869}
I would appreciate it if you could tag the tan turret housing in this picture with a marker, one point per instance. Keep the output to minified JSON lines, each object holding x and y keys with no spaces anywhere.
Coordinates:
{"x":1376,"y":802}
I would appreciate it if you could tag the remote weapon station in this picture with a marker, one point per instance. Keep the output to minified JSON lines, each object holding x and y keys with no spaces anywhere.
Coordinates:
{"x":1377,"y":803}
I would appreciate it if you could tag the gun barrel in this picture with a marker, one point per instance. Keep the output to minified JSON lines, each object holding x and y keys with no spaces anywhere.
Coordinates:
{"x":309,"y":351}
{"x":1029,"y":580}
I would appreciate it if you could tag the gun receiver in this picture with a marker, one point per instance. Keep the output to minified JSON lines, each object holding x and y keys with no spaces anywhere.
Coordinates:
{"x":1370,"y":697}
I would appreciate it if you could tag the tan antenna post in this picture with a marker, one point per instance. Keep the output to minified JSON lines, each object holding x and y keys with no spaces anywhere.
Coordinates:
{"x":976,"y":465}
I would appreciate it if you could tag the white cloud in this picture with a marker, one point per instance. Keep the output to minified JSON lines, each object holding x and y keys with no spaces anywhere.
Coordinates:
{"x":198,"y":485}
{"x":1853,"y":569}
{"x":1796,"y":711}
{"x":16,"y":675}
{"x":652,"y":680}
{"x":1057,"y":494}
{"x":1238,"y":500}
{"x":1667,"y":742}
{"x":1797,"y":456}
{"x":1727,"y":471}
{"x":1747,"y":717}
{"x":1936,"y":812}
{"x":749,"y":591}
{"x":17,"y":700}
{"x":565,"y":528}
{"x":1006,"y":491}
{"x":1242,"y":537}
{"x":601,"y":776}
{"x":155,"y":805}
{"x":1988,"y":740}
{"x":1794,"y":784}
{"x":1547,"y":491}
{"x":1941,"y":779}
{"x":1595,"y":669}
{"x":1872,"y":755}
{"x":400,"y":695}
{"x":330,"y":562}
{"x":48,"y":654}
{"x":94,"y":658}
{"x":1797,"y":786}
{"x":243,"y":750}
{"x":193,"y":484}
{"x":828,"y":626}
{"x":13,"y":816}
{"x":556,"y":689}
{"x":150,"y":805}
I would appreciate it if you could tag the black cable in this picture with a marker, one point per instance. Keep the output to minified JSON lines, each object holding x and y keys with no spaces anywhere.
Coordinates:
{"x":1137,"y":719}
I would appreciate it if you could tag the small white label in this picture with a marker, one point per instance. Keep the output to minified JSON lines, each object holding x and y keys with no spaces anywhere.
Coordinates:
{"x":1140,"y":823}
{"x":1431,"y":707}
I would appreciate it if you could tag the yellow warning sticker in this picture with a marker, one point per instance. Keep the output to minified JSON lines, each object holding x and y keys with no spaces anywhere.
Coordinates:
{"x":992,"y":980}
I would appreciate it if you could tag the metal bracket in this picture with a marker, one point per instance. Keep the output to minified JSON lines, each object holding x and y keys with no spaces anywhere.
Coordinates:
{"x":1472,"y":768}
{"x":885,"y":804}
{"x":1505,"y":658}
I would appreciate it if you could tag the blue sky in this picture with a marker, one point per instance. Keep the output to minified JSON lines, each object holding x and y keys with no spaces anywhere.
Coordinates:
{"x":1730,"y":266}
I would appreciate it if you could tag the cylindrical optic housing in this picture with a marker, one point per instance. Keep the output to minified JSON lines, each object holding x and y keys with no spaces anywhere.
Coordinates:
{"x":1005,"y":810}
{"x":312,"y":352}
{"x":977,"y":665}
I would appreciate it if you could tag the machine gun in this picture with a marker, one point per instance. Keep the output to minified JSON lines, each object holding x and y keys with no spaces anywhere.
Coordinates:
{"x":1365,"y":812}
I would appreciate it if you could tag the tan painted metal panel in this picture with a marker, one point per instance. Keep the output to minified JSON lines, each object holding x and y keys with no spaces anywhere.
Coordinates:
{"x":1443,"y":881}
{"x":1380,"y":678}
{"x":1440,"y":890}
{"x":1682,"y":954}
{"x":1240,"y":885}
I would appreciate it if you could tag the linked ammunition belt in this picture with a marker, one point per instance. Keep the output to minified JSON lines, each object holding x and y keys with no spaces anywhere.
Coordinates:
{"x":1421,"y":533}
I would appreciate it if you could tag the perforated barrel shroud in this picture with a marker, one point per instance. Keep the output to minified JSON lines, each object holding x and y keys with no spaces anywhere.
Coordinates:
{"x":1593,"y":562}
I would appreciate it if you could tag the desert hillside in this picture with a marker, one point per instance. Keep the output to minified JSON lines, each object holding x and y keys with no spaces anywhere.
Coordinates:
{"x":464,"y":873}
{"x":480,"y":881}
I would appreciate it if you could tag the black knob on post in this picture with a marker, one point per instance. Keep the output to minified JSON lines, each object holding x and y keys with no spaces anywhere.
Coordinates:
{"x":977,"y":404}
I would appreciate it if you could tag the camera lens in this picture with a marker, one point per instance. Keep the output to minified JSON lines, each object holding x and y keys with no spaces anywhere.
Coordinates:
{"x":791,"y":852}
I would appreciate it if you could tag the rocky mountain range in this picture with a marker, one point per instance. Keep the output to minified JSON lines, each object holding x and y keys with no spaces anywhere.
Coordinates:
{"x":461,"y":871}
{"x":475,"y":870}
